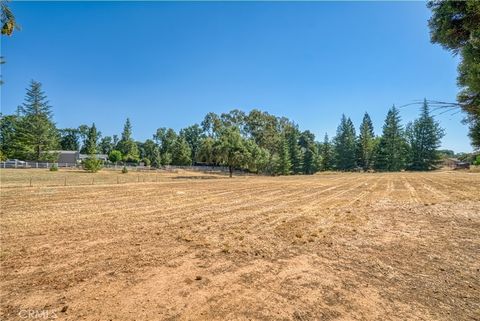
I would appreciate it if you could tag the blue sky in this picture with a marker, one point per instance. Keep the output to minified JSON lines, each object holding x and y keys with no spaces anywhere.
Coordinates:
{"x":166,"y":64}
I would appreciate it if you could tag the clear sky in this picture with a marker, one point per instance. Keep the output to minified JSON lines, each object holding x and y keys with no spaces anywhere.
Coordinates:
{"x":166,"y":64}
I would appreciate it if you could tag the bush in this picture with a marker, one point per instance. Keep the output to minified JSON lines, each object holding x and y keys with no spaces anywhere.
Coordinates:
{"x":54,"y":168}
{"x":115,"y":156}
{"x":477,"y":161}
{"x":92,"y":164}
{"x":146,"y":161}
{"x":124,"y":170}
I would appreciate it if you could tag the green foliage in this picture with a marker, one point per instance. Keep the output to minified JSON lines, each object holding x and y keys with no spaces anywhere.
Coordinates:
{"x":344,"y":145}
{"x":127,"y":145}
{"x":326,"y":154}
{"x":115,"y":156}
{"x":70,"y":139}
{"x":206,"y":152}
{"x":181,"y":152}
{"x":366,"y":143}
{"x":284,"y":165}
{"x":392,"y":148}
{"x":54,"y":168}
{"x":456,"y":26}
{"x":7,"y":20}
{"x":124,"y":170}
{"x":92,"y":164}
{"x":193,"y":135}
{"x":424,"y":137}
{"x":151,"y":152}
{"x":230,"y":149}
{"x":296,"y":155}
{"x":106,"y":145}
{"x":165,"y":139}
{"x":35,"y":133}
{"x":477,"y":161}
{"x":91,"y":143}
{"x":8,"y":125}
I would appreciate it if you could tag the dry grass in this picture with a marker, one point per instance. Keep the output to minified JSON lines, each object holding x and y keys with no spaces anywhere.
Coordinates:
{"x":402,"y":246}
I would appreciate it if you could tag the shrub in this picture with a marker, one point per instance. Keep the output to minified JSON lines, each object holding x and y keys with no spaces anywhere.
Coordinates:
{"x":115,"y":156}
{"x":124,"y":170}
{"x":146,"y":161}
{"x":92,"y":164}
{"x":477,"y":161}
{"x":54,"y":168}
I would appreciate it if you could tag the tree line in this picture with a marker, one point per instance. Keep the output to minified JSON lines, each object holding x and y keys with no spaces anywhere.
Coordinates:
{"x":256,"y":141}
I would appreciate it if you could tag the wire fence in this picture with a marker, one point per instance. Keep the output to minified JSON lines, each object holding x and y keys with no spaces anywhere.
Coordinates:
{"x":37,"y":174}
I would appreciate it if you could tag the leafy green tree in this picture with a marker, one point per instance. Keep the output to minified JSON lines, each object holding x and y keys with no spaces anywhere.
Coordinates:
{"x":151,"y":151}
{"x":230,"y":149}
{"x":211,"y":124}
{"x":181,"y":152}
{"x":36,"y":133}
{"x":8,"y":126}
{"x":106,"y":145}
{"x":392,"y":147}
{"x":366,"y":143}
{"x":69,"y":139}
{"x":115,"y":156}
{"x":258,"y":159}
{"x":326,"y":154}
{"x":424,"y":136}
{"x":165,"y":139}
{"x":456,"y":26}
{"x":206,"y":152}
{"x":284,"y":165}
{"x":127,"y":145}
{"x":344,"y":145}
{"x":193,"y":135}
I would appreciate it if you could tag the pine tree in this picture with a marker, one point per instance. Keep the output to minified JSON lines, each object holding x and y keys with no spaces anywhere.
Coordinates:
{"x":284,"y":166}
{"x":296,"y":157}
{"x":181,"y":152}
{"x":91,"y":143}
{"x":391,"y":151}
{"x":326,"y":154}
{"x":366,"y":143}
{"x":127,"y":145}
{"x":36,"y":133}
{"x":344,"y":145}
{"x":425,"y":137}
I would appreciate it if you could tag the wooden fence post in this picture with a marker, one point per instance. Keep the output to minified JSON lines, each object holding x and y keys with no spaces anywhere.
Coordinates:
{"x":65,"y":181}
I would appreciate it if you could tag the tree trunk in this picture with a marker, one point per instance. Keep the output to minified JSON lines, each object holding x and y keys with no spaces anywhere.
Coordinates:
{"x":230,"y":169}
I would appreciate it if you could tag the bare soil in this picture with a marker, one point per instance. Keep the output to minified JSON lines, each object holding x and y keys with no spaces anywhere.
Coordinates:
{"x":402,"y":246}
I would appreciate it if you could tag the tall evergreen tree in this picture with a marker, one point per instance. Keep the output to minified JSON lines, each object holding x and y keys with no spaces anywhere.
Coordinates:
{"x":127,"y":145}
{"x":91,"y":144}
{"x":424,"y":136}
{"x":326,"y":154}
{"x":392,"y":148}
{"x":344,"y":145}
{"x":36,"y":133}
{"x":366,"y":143}
{"x":296,"y":155}
{"x":284,"y":166}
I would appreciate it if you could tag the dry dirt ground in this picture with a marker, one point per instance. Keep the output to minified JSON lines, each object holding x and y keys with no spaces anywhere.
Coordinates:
{"x":402,"y":246}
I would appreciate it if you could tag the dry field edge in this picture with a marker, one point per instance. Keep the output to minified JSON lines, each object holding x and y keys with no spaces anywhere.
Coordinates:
{"x":341,"y":246}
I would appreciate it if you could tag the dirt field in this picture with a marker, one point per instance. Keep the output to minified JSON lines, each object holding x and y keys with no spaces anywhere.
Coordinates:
{"x":403,"y":246}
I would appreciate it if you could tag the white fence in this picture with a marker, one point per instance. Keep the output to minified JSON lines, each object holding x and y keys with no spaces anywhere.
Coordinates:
{"x":133,"y":167}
